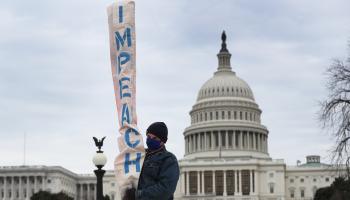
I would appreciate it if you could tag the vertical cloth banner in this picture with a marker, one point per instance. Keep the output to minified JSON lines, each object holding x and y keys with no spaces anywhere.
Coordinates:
{"x":128,"y":164}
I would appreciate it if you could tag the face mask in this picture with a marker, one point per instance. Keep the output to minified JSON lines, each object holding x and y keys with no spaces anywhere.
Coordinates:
{"x":153,"y":144}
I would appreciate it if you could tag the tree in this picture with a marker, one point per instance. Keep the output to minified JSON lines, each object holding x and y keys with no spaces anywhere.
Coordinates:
{"x":335,"y":111}
{"x":44,"y":195}
{"x":339,"y":190}
{"x":41,"y":195}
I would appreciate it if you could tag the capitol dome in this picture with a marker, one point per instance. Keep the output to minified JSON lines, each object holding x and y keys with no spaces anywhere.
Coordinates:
{"x":225,"y":119}
{"x":225,"y":84}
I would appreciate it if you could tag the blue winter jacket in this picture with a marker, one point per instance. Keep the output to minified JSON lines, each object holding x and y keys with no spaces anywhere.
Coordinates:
{"x":159,"y":176}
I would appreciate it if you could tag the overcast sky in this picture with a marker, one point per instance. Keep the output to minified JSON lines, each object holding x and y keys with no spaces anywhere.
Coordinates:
{"x":56,"y":83}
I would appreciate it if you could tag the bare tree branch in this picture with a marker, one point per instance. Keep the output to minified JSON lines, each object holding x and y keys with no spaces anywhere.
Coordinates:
{"x":335,"y":111}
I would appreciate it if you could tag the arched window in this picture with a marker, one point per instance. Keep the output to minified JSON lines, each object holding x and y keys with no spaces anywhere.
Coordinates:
{"x":302,"y":192}
{"x":292,"y":192}
{"x":271,"y":188}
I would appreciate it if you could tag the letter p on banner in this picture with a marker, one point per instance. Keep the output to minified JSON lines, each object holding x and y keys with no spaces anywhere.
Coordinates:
{"x":128,"y":163}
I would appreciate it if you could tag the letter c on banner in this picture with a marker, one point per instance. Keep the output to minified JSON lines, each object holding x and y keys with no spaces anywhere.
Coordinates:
{"x":127,"y":138}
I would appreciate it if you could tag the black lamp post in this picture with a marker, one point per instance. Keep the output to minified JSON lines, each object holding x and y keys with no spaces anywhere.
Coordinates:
{"x":99,"y":160}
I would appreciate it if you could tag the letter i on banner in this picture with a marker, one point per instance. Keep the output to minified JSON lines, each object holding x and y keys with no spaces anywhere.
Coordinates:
{"x":128,"y":163}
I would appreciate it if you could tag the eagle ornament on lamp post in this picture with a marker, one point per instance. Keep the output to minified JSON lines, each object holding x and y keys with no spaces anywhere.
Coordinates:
{"x":99,"y":161}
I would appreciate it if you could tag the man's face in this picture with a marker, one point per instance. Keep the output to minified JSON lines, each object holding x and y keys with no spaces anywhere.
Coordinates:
{"x":154,"y":137}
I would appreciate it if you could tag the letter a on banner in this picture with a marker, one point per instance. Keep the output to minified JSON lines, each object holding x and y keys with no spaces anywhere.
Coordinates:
{"x":128,"y":163}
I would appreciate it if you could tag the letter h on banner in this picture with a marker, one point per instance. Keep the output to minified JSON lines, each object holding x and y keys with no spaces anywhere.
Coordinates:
{"x":129,"y":162}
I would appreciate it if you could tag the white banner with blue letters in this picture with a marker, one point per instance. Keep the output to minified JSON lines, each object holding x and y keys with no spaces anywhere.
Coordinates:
{"x":128,"y":163}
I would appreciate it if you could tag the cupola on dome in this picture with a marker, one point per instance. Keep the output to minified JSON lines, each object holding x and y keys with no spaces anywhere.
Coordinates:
{"x":225,"y":83}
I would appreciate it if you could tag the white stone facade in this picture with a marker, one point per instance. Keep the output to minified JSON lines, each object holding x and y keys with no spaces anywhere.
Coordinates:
{"x":21,"y":182}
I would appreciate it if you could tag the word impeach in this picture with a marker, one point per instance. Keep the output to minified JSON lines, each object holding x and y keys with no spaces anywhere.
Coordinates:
{"x":121,"y":19}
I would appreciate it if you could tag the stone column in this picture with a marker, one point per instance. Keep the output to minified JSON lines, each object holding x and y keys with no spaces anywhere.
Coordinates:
{"x":205,"y":141}
{"x":95,"y":188}
{"x":251,"y":182}
{"x":212,"y":140}
{"x":81,"y":191}
{"x":43,"y":181}
{"x":239,"y":182}
{"x":183,"y":174}
{"x":248,"y":140}
{"x":88,"y":191}
{"x":220,"y":139}
{"x":12,"y":187}
{"x":262,"y":143}
{"x":236,"y":182}
{"x":254,"y":141}
{"x":27,"y":189}
{"x":191,"y":143}
{"x":203,"y":192}
{"x":20,"y":190}
{"x":214,"y":184}
{"x":198,"y":137}
{"x":77,"y":192}
{"x":256,"y":182}
{"x":225,"y":184}
{"x":194,"y":143}
{"x":198,"y":183}
{"x":187,"y":183}
{"x":241,"y":139}
{"x":226,"y":138}
{"x":5,"y":187}
{"x":259,"y":143}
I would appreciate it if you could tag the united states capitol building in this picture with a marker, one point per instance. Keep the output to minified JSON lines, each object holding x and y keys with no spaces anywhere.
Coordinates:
{"x":226,"y":155}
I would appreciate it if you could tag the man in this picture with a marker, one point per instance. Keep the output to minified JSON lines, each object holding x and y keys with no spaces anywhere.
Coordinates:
{"x":160,"y":170}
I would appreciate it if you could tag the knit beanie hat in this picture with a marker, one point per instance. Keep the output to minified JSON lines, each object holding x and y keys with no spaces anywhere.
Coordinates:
{"x":160,"y":130}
